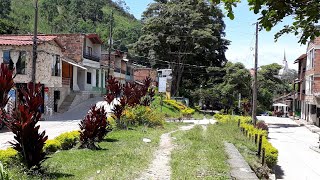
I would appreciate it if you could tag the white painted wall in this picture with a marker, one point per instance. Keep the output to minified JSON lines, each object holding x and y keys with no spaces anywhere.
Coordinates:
{"x":75,"y":79}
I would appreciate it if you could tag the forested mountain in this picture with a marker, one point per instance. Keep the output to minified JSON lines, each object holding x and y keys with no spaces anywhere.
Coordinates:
{"x":70,"y":16}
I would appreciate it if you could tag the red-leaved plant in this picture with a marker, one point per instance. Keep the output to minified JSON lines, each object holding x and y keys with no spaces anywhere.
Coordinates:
{"x":6,"y":84}
{"x":262,"y":125}
{"x":94,"y":127}
{"x":132,"y":94}
{"x":28,"y":141}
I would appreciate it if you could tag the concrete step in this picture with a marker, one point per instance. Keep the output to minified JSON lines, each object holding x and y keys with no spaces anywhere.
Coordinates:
{"x":64,"y":107}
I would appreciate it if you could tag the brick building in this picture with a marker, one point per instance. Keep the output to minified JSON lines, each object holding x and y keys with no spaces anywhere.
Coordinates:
{"x":68,"y":66}
{"x":308,"y":85}
{"x":17,"y":53}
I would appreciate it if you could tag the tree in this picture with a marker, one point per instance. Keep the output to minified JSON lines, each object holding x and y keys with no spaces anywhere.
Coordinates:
{"x":305,"y":15}
{"x":182,"y":31}
{"x":221,"y":90}
{"x":6,"y":25}
{"x":269,"y":86}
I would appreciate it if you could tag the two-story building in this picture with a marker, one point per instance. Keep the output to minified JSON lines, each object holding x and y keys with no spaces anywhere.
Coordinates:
{"x":68,"y":66}
{"x":16,"y":51}
{"x":308,"y":86}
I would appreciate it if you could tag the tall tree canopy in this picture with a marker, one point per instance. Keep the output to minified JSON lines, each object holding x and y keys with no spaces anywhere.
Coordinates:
{"x":182,"y":32}
{"x":6,"y":24}
{"x":71,"y":16}
{"x":305,"y":15}
{"x":222,"y":88}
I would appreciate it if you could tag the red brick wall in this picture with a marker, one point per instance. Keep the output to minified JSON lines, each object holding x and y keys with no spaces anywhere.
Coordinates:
{"x":140,"y":74}
{"x":316,"y":84}
{"x":123,"y":66}
{"x":73,"y":44}
{"x":105,"y":60}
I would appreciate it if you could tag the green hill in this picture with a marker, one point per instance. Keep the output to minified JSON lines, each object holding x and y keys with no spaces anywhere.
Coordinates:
{"x":70,"y":16}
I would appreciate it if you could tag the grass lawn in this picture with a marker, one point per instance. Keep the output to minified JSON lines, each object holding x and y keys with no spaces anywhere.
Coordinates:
{"x":167,"y":110}
{"x":200,"y":153}
{"x":124,"y":156}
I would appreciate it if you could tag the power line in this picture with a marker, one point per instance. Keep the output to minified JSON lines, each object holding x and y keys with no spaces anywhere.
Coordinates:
{"x":191,"y":65}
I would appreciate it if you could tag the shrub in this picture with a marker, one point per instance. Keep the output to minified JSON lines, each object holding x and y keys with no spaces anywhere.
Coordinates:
{"x":52,"y":146}
{"x":68,"y":140}
{"x":142,"y":115}
{"x":186,"y":111}
{"x":132,"y":95}
{"x":3,"y":174}
{"x":271,"y":152}
{"x":28,"y":141}
{"x":94,"y":127}
{"x":262,"y":125}
{"x":7,"y":155}
{"x":6,"y":84}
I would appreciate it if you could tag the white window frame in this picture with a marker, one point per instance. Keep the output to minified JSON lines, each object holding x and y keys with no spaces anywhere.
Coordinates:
{"x":310,"y":58}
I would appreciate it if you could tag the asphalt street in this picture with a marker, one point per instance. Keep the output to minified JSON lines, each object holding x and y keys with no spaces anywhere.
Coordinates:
{"x":296,"y":161}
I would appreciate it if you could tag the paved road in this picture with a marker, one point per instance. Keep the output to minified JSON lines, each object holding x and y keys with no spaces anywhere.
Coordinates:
{"x":59,"y":123}
{"x":296,"y":160}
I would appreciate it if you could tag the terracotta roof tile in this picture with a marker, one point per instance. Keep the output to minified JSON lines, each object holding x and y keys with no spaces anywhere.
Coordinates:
{"x":22,"y":40}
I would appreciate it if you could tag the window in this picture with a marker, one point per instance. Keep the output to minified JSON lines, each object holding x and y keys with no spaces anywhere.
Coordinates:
{"x":309,"y":85}
{"x":21,"y":64}
{"x":310,"y":59}
{"x":56,"y":65}
{"x":97,"y":78}
{"x":89,"y":51}
{"x":7,"y":59}
{"x":88,"y":77}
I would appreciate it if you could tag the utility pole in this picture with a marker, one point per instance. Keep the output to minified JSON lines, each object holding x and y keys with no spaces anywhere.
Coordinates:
{"x":255,"y":87}
{"x":34,"y":49}
{"x":110,"y":43}
{"x":294,"y":100}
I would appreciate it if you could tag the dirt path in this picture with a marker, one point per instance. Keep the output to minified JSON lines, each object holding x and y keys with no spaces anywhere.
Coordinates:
{"x":160,"y":168}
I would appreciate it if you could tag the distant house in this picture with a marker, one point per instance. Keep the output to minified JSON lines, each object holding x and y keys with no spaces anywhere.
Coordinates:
{"x":17,"y":53}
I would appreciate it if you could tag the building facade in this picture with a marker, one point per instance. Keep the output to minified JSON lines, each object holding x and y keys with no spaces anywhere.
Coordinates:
{"x":17,"y":53}
{"x":308,"y":85}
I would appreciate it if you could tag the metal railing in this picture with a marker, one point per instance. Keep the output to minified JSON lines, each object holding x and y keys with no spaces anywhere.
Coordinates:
{"x":91,"y":57}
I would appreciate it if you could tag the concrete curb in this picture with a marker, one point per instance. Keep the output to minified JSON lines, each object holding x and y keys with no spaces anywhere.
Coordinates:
{"x":240,"y":169}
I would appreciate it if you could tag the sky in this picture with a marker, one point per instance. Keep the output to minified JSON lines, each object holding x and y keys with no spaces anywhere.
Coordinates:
{"x":241,"y":33}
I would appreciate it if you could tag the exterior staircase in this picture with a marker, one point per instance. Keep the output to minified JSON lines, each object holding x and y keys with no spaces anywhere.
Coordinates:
{"x":65,"y":106}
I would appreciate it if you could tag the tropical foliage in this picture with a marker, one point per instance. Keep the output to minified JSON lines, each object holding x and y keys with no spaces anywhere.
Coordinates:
{"x":29,"y":141}
{"x":71,"y":16}
{"x":94,"y":127}
{"x":180,"y":32}
{"x":272,"y":12}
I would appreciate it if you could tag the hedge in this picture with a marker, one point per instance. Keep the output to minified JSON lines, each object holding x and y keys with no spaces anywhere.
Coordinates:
{"x":7,"y":155}
{"x":179,"y":106}
{"x":271,"y":153}
{"x":68,"y":139}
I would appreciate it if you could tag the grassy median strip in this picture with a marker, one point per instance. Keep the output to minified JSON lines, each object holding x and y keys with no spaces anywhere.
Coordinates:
{"x":123,"y":156}
{"x":200,"y":154}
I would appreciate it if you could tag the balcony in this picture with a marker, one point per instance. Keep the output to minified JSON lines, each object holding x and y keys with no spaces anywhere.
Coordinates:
{"x":118,"y":70}
{"x":91,"y":57}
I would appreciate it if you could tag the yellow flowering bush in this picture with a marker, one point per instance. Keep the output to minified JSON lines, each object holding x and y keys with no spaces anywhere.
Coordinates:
{"x":7,"y":154}
{"x":52,"y":146}
{"x":186,"y":111}
{"x":142,"y":115}
{"x":271,"y":153}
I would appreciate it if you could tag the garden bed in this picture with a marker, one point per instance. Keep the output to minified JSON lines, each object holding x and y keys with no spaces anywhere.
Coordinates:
{"x":123,"y":155}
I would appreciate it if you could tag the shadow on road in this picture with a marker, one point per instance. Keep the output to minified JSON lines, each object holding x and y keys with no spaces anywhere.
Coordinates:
{"x":4,"y":129}
{"x":282,"y":125}
{"x":279,"y":172}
